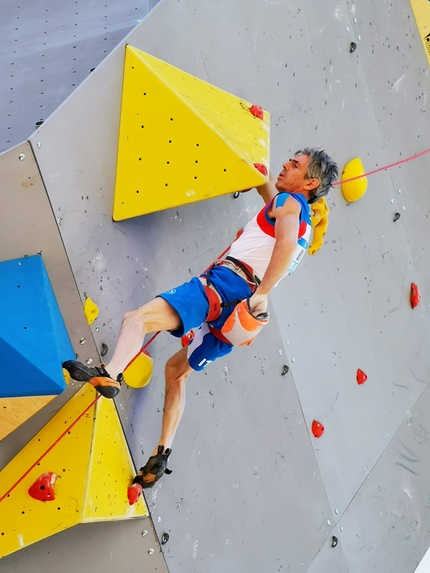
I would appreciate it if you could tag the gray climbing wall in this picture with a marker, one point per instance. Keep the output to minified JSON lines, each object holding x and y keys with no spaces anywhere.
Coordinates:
{"x":252,"y":489}
{"x":48,"y":49}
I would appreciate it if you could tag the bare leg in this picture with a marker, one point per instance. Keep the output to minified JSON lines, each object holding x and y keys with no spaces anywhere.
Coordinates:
{"x":151,"y":317}
{"x":177,"y":373}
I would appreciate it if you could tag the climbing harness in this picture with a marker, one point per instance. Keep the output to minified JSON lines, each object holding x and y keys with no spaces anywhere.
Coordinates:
{"x":215,"y":302}
{"x":241,"y":327}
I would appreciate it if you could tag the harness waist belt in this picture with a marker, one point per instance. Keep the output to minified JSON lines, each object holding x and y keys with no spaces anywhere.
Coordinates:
{"x":242,"y":269}
{"x":215,"y":303}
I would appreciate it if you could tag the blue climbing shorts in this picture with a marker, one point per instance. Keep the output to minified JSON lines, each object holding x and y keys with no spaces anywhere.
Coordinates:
{"x":190,"y":302}
{"x":205,"y":348}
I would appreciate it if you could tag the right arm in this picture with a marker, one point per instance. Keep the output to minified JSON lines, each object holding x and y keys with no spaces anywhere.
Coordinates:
{"x":268,"y":190}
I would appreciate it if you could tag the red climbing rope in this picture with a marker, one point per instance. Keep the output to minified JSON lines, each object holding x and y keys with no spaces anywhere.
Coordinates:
{"x":383,"y":168}
{"x":50,"y":448}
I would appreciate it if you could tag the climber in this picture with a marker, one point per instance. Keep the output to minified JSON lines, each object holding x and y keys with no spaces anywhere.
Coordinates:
{"x":227,"y":305}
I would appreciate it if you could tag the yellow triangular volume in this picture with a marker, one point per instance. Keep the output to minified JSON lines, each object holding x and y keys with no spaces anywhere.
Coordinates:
{"x":94,"y":470}
{"x":15,"y":411}
{"x":111,"y":470}
{"x":182,"y":140}
{"x":25,"y":520}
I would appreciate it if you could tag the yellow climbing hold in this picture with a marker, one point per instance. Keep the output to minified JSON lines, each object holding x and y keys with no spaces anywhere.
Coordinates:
{"x":66,"y":376}
{"x":319,"y":221}
{"x":354,"y":190}
{"x":138,"y":373}
{"x":91,"y":310}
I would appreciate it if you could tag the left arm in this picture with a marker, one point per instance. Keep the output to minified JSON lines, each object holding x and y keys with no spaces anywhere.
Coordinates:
{"x":286,"y":233}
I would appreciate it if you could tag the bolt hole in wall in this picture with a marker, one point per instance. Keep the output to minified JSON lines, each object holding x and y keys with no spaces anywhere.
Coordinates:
{"x":48,"y":49}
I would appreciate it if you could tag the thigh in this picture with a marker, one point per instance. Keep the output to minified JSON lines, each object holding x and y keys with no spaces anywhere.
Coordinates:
{"x":190,"y":303}
{"x":205,"y":348}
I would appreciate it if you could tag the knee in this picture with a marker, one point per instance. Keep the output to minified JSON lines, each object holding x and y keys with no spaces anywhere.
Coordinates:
{"x":133,"y":316}
{"x":128,"y":317}
{"x":177,"y":370}
{"x":134,"y":321}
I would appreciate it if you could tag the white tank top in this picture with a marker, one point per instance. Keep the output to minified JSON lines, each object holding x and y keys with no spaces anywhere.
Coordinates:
{"x":255,"y":246}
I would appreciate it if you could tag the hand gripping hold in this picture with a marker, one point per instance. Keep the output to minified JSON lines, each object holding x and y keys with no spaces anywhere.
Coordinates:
{"x":154,"y":468}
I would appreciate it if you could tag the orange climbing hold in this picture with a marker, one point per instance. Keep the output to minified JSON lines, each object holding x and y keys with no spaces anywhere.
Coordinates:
{"x":43,"y":487}
{"x":257,"y":111}
{"x":261,"y":168}
{"x":317,"y":429}
{"x":415,"y":295}
{"x":133,"y":493}
{"x":361,"y":376}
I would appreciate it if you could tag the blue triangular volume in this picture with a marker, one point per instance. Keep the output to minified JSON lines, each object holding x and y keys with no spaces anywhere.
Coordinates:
{"x":33,"y":337}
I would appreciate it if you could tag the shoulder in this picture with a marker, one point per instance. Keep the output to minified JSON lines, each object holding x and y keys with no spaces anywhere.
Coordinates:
{"x":285,"y":203}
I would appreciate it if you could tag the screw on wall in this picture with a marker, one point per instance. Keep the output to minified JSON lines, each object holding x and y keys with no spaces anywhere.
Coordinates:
{"x":165,"y":538}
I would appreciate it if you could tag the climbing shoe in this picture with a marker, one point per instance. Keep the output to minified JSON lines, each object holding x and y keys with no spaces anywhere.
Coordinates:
{"x":154,"y":468}
{"x":97,"y":377}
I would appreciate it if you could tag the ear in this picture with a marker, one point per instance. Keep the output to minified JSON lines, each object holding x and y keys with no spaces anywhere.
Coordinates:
{"x":312,"y":183}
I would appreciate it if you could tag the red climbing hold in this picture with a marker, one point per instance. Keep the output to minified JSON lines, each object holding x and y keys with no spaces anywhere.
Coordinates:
{"x":361,"y":376}
{"x":133,"y":493}
{"x":415,"y":295}
{"x":43,"y":487}
{"x":257,"y":111}
{"x":261,"y":168}
{"x":187,"y":338}
{"x":317,"y":429}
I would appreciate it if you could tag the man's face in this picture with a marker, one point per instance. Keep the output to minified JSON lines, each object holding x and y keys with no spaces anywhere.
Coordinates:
{"x":292,"y":176}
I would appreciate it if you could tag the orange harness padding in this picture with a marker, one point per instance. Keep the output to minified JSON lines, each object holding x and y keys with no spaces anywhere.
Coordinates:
{"x":241,"y":327}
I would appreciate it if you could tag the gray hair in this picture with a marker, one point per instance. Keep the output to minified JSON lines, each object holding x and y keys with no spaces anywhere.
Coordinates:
{"x":322,"y":167}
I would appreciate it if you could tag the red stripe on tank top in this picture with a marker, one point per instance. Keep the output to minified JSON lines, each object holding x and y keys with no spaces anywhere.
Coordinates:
{"x":262,"y":221}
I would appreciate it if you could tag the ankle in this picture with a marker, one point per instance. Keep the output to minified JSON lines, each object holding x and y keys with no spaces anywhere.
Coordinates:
{"x":113,"y":372}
